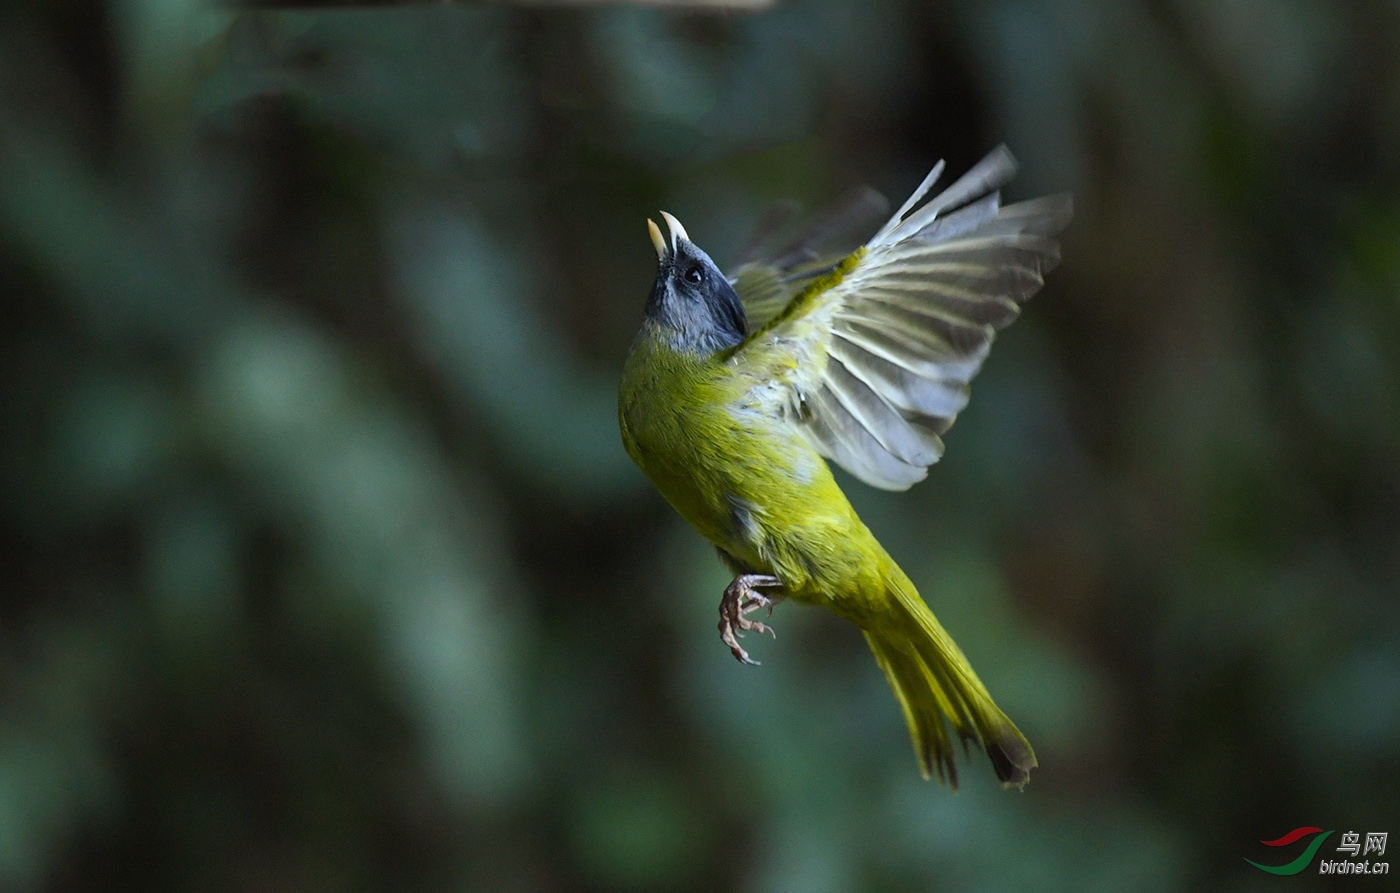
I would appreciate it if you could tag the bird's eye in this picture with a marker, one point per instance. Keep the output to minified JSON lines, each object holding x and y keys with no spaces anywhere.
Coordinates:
{"x":694,"y":275}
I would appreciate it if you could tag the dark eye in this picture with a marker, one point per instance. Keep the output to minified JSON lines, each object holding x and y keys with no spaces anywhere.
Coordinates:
{"x":694,"y":275}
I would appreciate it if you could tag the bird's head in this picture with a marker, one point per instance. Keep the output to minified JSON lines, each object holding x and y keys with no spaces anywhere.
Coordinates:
{"x":692,"y":302}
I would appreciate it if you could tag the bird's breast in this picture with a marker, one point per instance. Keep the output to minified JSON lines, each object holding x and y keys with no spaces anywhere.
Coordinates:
{"x":714,"y":444}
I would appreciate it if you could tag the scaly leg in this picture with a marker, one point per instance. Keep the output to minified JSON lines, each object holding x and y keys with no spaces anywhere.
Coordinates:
{"x":741,"y":599}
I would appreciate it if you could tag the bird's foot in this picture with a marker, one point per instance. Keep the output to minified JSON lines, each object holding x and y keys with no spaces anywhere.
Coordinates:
{"x":742,"y":598}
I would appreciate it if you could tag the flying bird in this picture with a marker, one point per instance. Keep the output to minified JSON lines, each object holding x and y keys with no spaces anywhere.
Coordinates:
{"x":738,"y":389}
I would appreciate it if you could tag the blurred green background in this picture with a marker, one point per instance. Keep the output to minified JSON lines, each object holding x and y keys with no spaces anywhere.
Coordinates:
{"x":323,"y":566}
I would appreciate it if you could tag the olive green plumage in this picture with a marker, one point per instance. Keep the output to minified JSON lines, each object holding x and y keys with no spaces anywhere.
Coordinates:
{"x":865,"y":360}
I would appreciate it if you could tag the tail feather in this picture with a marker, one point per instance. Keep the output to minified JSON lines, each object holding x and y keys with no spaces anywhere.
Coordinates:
{"x":908,"y":678}
{"x":934,"y":682}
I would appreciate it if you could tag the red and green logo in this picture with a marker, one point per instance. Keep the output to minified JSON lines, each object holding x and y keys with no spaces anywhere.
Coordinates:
{"x":1304,"y":858}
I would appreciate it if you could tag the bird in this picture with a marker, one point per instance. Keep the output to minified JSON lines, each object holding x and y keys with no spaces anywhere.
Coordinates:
{"x":737,"y":390}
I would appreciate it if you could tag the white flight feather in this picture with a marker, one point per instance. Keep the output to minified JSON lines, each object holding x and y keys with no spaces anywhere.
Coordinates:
{"x":884,"y":357}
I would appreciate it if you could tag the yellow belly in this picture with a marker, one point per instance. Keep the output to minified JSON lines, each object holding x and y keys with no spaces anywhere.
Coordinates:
{"x":746,"y":480}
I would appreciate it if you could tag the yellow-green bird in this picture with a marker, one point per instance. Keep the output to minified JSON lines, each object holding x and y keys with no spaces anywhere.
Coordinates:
{"x":737,"y":390}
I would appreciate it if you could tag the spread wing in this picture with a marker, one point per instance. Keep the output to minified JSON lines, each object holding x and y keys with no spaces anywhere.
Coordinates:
{"x":886,"y":342}
{"x":785,"y":253}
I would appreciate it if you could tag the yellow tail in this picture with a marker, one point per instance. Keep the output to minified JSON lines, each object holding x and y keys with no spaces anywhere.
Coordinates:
{"x":932,"y":680}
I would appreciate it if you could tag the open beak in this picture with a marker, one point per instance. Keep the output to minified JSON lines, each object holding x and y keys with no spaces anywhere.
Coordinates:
{"x":659,"y":241}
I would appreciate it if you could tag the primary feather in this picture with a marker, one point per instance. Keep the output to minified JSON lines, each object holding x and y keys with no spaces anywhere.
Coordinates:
{"x":895,"y":339}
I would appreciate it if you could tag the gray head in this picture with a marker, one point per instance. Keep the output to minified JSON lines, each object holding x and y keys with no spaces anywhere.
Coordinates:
{"x":691,"y":302}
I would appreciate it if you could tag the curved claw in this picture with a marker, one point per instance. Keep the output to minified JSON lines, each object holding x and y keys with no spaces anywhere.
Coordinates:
{"x":741,"y":598}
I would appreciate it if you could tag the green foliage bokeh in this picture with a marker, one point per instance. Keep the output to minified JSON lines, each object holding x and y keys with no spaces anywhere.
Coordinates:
{"x":325,"y":569}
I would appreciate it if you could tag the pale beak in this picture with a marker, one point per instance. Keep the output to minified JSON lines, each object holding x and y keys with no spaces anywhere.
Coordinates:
{"x":677,"y":231}
{"x":657,"y":239}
